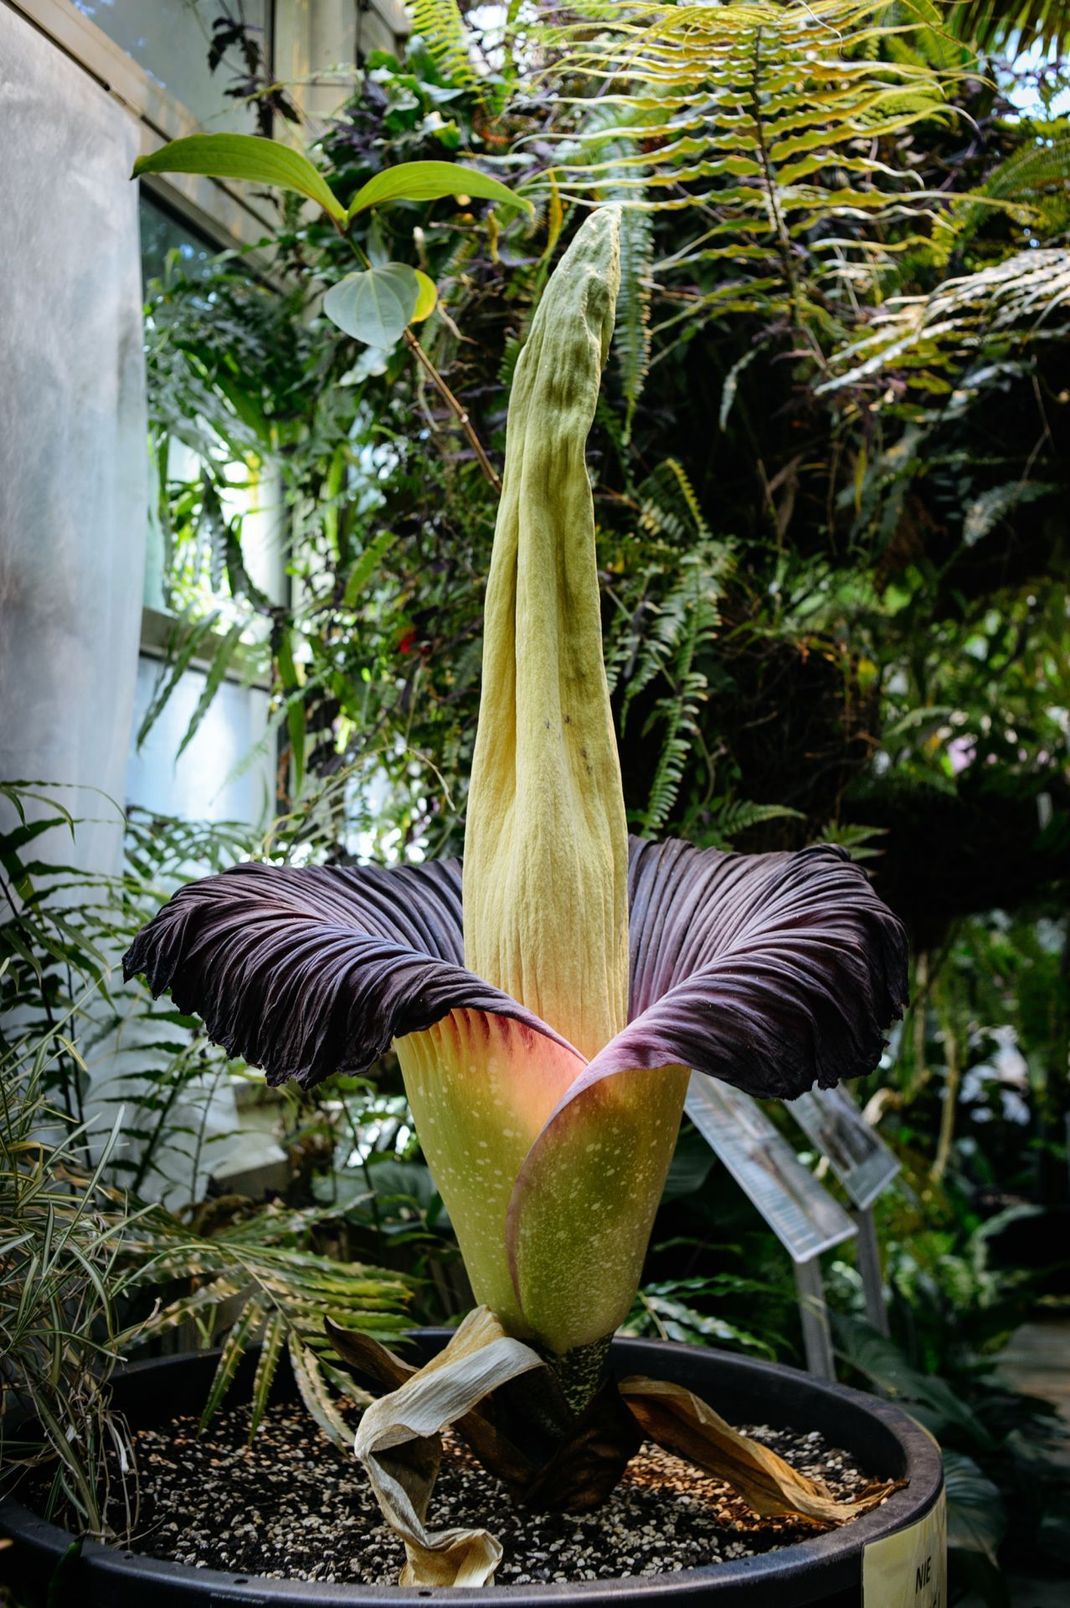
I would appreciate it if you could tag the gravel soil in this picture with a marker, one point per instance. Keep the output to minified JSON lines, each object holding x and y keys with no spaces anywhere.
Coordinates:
{"x":291,"y":1506}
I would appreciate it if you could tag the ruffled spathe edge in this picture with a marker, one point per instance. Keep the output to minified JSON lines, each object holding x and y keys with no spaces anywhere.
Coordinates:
{"x":772,"y":972}
{"x":315,"y":970}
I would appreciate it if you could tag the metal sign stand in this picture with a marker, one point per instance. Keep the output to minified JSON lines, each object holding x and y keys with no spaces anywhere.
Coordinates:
{"x":814,"y":1315}
{"x":802,"y":1214}
{"x":864,"y":1166}
{"x":868,"y":1252}
{"x":806,"y":1219}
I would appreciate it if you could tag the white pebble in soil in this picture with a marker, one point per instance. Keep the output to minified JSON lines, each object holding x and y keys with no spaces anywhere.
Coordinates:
{"x":291,"y":1506}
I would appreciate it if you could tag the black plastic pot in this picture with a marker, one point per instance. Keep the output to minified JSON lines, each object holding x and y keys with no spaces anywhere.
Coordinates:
{"x":826,"y":1569}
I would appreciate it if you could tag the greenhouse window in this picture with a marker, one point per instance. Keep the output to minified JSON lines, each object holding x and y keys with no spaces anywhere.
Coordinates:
{"x":170,"y":39}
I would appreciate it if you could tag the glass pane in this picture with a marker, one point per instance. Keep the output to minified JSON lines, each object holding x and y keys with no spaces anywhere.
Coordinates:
{"x":171,"y":38}
{"x":162,"y":233}
{"x":249,"y":498}
{"x":226,"y":773}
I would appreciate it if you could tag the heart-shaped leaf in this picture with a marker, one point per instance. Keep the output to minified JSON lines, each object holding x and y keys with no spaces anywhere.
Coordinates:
{"x":244,"y":156}
{"x":376,"y":305}
{"x":427,"y":181}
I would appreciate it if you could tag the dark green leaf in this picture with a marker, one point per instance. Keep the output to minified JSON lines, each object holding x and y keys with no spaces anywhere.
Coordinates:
{"x":366,"y":565}
{"x":975,"y":1515}
{"x":212,"y":683}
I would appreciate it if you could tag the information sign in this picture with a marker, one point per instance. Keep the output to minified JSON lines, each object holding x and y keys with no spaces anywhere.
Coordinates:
{"x":857,"y":1154}
{"x":802,"y":1214}
{"x":909,"y":1569}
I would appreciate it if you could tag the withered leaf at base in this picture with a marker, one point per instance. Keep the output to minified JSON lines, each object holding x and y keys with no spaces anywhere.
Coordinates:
{"x":687,"y":1426}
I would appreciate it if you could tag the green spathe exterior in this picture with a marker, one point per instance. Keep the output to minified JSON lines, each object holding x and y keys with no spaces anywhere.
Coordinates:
{"x":546,"y":881}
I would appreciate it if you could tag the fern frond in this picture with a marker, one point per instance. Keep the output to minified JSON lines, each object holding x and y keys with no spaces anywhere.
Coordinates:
{"x":985,"y":512}
{"x":763,"y":118}
{"x":1011,"y":300}
{"x":284,"y":1292}
{"x":605,"y":129}
{"x":442,"y":28}
{"x":1033,"y":167}
{"x":860,"y":841}
{"x":733,"y":816}
{"x":632,"y":332}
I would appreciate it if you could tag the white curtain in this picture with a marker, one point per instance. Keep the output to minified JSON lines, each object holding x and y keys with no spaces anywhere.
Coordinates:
{"x":73,"y":500}
{"x":73,"y":463}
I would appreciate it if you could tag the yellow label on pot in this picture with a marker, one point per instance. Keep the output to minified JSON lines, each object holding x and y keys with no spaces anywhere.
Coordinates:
{"x":909,"y":1569}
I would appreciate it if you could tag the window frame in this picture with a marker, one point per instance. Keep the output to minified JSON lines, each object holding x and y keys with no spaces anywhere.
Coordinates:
{"x":228,"y":216}
{"x":225,"y":217}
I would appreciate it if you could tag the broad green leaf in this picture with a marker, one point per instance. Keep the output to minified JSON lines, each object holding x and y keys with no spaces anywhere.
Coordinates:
{"x":244,"y":156}
{"x":365,"y":567}
{"x":374,"y":306}
{"x":976,"y":1517}
{"x":427,"y":181}
{"x":426,"y":298}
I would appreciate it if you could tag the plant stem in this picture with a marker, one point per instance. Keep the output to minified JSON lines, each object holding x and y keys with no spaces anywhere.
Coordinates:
{"x":459,"y":412}
{"x":953,"y":1060}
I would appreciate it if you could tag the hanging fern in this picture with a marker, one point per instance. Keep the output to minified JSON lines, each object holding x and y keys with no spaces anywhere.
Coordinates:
{"x":660,"y":640}
{"x":632,"y":332}
{"x":677,"y":715}
{"x":605,"y":131}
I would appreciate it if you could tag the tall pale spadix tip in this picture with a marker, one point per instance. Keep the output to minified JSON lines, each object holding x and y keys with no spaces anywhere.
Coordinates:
{"x":546,"y":848}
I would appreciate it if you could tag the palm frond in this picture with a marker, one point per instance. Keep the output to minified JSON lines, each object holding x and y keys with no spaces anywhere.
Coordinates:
{"x":282,"y":1293}
{"x":991,"y":25}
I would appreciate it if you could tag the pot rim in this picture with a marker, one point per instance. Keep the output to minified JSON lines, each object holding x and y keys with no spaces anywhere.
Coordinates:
{"x":815,"y":1557}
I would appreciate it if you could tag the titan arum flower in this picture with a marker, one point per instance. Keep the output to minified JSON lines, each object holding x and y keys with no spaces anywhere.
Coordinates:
{"x":547,"y":1002}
